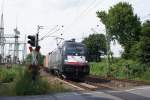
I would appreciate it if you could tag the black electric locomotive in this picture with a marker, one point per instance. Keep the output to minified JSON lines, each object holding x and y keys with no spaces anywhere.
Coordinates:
{"x":69,"y":60}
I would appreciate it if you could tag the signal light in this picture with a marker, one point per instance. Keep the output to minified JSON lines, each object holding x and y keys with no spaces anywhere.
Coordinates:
{"x":37,"y":48}
{"x":32,"y":40}
{"x":30,"y":48}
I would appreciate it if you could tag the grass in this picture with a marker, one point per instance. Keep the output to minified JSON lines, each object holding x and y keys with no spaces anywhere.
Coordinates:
{"x":7,"y":89}
{"x":118,"y":69}
{"x":57,"y":88}
{"x":26,"y":86}
{"x":9,"y":74}
{"x":21,"y":84}
{"x":98,"y":68}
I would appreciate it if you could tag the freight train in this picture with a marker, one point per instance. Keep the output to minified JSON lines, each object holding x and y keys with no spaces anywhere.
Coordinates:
{"x":68,"y":60}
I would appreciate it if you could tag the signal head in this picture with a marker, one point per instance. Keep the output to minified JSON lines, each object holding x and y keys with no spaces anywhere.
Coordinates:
{"x":31,"y":40}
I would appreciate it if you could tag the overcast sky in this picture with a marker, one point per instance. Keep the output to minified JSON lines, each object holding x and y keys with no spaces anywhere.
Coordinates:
{"x":77,"y":17}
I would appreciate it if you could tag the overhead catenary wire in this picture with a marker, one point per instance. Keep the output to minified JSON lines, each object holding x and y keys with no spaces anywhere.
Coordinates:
{"x":51,"y":32}
{"x":85,"y":11}
{"x":76,"y":19}
{"x":88,"y":9}
{"x":49,"y":35}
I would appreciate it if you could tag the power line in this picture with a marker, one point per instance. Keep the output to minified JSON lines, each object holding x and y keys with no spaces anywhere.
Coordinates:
{"x":50,"y":33}
{"x":92,"y":5}
{"x":75,"y":20}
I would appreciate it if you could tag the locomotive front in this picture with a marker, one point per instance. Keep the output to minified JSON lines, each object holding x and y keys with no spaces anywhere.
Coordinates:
{"x":75,"y":64}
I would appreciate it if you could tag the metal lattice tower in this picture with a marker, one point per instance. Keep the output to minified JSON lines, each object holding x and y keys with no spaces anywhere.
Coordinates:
{"x":10,"y":48}
{"x":24,"y":50}
{"x":13,"y":46}
{"x":16,"y":45}
{"x":2,"y":39}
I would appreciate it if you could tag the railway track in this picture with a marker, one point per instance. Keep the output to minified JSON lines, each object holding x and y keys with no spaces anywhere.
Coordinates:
{"x":93,"y":83}
{"x":83,"y":85}
{"x":77,"y":85}
{"x":114,"y":84}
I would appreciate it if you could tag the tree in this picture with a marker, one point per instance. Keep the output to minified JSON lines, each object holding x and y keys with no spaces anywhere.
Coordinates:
{"x":144,"y":45}
{"x":122,"y":24}
{"x":96,"y":44}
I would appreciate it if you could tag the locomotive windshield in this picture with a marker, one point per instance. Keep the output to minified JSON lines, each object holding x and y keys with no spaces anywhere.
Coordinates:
{"x":75,"y":49}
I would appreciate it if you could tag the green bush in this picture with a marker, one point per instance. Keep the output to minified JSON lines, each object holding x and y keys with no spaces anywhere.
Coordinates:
{"x":26,"y":86}
{"x":146,"y":75}
{"x":7,"y":75}
{"x":98,"y":68}
{"x":118,"y":69}
{"x":23,"y":85}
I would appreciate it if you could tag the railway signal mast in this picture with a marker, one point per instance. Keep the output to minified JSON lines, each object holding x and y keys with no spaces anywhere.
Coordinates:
{"x":33,"y":41}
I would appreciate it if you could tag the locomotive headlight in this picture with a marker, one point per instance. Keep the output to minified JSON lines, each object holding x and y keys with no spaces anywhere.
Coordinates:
{"x":65,"y":60}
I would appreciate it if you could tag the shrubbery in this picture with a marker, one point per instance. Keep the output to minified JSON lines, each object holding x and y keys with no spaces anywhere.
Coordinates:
{"x":98,"y":68}
{"x":121,"y":68}
{"x":19,"y":82}
{"x":7,"y":75}
{"x":26,"y":86}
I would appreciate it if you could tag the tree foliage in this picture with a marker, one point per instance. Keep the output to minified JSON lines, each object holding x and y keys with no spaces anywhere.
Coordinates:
{"x":144,"y":45}
{"x":122,"y":24}
{"x":96,"y":44}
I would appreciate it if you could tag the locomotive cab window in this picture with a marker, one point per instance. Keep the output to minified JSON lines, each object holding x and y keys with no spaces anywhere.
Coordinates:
{"x":75,"y":50}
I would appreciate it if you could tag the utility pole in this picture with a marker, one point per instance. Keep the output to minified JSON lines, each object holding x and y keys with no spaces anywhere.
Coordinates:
{"x":37,"y":35}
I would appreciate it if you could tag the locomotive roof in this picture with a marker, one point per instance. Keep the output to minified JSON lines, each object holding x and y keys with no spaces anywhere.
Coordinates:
{"x":67,"y":43}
